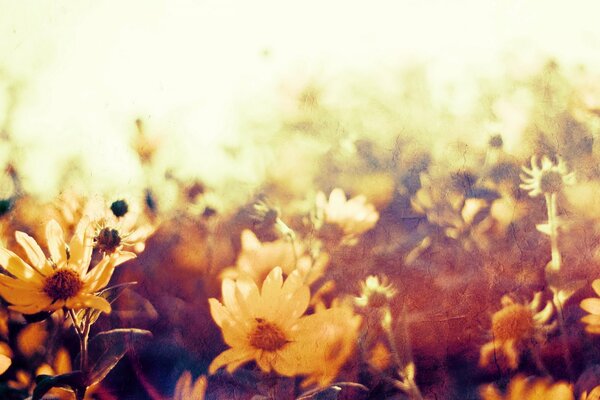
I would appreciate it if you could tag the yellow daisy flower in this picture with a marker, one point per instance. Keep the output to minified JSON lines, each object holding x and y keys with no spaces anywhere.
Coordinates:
{"x":592,"y":305}
{"x":521,"y":388}
{"x":63,"y":280}
{"x":266,"y":326}
{"x":515,"y":328}
{"x":353,"y":217}
{"x":548,"y":179}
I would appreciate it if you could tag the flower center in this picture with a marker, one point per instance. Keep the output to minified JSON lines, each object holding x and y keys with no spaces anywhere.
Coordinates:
{"x":62,"y":284}
{"x":119,"y":208}
{"x":551,"y":182}
{"x":513,"y":322}
{"x":107,"y":240}
{"x":267,"y":336}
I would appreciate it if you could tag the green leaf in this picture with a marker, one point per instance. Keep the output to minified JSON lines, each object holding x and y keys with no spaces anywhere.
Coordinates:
{"x":74,"y":381}
{"x":107,"y":348}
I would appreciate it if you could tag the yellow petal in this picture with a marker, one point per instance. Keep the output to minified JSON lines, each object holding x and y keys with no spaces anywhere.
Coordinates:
{"x":84,"y":300}
{"x":234,"y":357}
{"x":81,"y":246}
{"x":596,"y":286}
{"x":5,"y":363}
{"x":56,"y":242}
{"x":19,"y":268}
{"x":18,"y":296}
{"x":34,"y":252}
{"x":99,"y":276}
{"x":122,"y":256}
{"x":591,"y":305}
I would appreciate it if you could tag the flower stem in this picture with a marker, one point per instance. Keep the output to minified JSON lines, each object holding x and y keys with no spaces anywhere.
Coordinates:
{"x":556,"y":260}
{"x":407,"y":382}
{"x":83,"y":333}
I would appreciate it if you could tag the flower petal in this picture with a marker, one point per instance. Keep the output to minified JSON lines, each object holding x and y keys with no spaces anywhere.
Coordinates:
{"x":591,"y":305}
{"x":99,"y":276}
{"x":84,"y":300}
{"x":233,"y":357}
{"x":81,"y":246}
{"x":19,"y":268}
{"x":56,"y":242}
{"x":34,"y":252}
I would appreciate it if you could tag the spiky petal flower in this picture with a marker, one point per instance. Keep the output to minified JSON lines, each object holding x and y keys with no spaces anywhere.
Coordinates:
{"x":63,"y":280}
{"x":375,"y":293}
{"x":267,"y":326}
{"x":549,"y":178}
{"x":515,"y":328}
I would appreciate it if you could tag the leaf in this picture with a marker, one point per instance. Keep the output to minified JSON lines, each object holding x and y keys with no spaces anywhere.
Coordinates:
{"x":74,"y":381}
{"x":107,"y":348}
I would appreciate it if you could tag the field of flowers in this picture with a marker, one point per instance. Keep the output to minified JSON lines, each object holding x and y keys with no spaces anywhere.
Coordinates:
{"x":393,"y":250}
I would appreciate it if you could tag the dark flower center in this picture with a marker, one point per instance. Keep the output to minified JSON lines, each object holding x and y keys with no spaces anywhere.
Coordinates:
{"x":108,"y":240}
{"x":62,"y":284}
{"x":267,"y":336}
{"x":119,"y":208}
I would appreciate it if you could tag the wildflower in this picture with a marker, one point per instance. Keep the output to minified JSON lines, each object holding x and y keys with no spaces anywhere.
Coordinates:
{"x":594,"y":394}
{"x":375,"y":293}
{"x":118,"y":226}
{"x":337,"y":329}
{"x":267,"y":326}
{"x":548,"y":179}
{"x":521,"y":388}
{"x":352,"y":217}
{"x":516,"y":327}
{"x":63,"y":280}
{"x":187,"y":389}
{"x":257,"y":259}
{"x":592,"y":306}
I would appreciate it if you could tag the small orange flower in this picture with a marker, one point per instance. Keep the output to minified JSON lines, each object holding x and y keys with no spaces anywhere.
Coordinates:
{"x":516,"y":327}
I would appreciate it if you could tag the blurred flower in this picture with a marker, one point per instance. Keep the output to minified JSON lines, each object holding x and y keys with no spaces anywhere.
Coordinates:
{"x":380,"y":357}
{"x":119,"y":226}
{"x":352,"y":217}
{"x":144,"y":145}
{"x":336,"y":331}
{"x":521,"y":388}
{"x":187,"y":389}
{"x":5,"y":357}
{"x":63,"y":280}
{"x":592,"y":306}
{"x":515,"y":328}
{"x":257,"y":259}
{"x":594,"y":394}
{"x":548,"y":179}
{"x":375,"y":293}
{"x":267,"y":326}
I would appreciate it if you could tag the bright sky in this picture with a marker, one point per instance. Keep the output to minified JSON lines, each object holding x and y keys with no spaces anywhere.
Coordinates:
{"x":88,"y":69}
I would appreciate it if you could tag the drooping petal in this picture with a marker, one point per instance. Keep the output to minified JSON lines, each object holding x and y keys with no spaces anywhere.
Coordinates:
{"x":232,"y":357}
{"x":596,"y":286}
{"x":20,"y":296}
{"x":122,"y":256}
{"x":56,"y":242}
{"x":19,"y":268}
{"x":84,"y":300}
{"x":34,"y":252}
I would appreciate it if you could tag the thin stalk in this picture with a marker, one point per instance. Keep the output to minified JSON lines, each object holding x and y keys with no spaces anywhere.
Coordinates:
{"x":408,"y":384}
{"x":83,"y":334}
{"x":556,"y":260}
